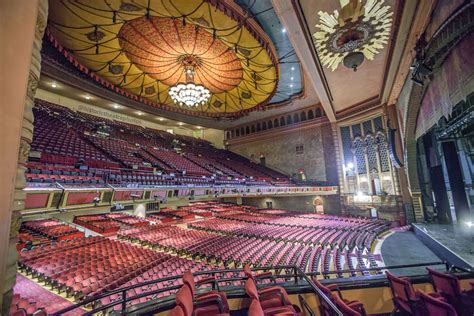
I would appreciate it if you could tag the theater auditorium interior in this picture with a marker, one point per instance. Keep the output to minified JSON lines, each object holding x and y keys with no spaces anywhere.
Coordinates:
{"x":237,"y":157}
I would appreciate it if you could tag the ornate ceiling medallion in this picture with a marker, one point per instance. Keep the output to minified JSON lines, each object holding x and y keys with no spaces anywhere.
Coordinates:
{"x":191,"y":56}
{"x":357,"y":27}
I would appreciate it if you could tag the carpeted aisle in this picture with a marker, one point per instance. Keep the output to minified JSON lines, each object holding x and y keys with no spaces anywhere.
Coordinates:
{"x":405,"y":248}
{"x":43,"y":298}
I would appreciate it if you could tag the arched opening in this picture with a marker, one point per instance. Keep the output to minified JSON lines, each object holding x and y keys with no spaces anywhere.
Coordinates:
{"x":247,"y":130}
{"x":318,"y":112}
{"x":270,"y":124}
{"x":289,"y":120}
{"x":252,"y":129}
{"x":303,"y":116}
{"x":264,"y":126}
{"x":232,"y":134}
{"x":318,"y":205}
{"x":310,"y":115}
{"x":259,"y":127}
{"x":227,"y":135}
{"x":237,"y":133}
{"x":242,"y":131}
{"x":296,"y":118}
{"x":275,"y":123}
{"x":282,"y":121}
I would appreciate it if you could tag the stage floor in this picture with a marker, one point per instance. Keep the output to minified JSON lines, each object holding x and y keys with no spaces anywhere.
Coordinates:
{"x":453,"y":243}
{"x":401,"y":248}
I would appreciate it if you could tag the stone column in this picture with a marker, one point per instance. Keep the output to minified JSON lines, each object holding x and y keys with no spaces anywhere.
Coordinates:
{"x":23,"y":25}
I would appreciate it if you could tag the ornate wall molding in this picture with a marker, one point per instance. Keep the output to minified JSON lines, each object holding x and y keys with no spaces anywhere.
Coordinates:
{"x":25,"y":143}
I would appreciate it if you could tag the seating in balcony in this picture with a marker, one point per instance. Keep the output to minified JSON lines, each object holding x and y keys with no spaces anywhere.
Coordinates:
{"x":64,"y":138}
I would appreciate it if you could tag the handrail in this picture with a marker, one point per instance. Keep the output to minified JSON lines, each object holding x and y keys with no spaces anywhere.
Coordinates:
{"x":412,"y":265}
{"x":297,"y":275}
{"x":305,"y":306}
{"x":319,"y":292}
{"x":125,"y":298}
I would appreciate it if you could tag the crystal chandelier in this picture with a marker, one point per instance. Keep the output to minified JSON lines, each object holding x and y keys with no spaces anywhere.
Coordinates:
{"x":189,"y":93}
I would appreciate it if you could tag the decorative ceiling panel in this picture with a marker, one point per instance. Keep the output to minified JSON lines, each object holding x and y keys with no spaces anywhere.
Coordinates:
{"x":364,"y":28}
{"x":138,"y":48}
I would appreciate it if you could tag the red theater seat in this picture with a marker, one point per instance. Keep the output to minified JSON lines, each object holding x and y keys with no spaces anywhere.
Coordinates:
{"x":436,"y":306}
{"x":255,"y":309}
{"x":270,"y":297}
{"x":216,"y":301}
{"x":448,"y":286}
{"x":403,"y":295}
{"x":184,"y":300}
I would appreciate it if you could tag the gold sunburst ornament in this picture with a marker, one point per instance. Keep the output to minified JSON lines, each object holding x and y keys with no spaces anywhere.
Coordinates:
{"x":359,"y":27}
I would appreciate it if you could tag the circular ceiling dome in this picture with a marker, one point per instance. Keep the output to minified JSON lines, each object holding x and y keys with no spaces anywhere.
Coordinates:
{"x":161,"y":46}
{"x":140,"y":49}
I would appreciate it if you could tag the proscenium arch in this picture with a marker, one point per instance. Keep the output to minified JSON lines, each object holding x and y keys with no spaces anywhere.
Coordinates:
{"x":451,"y":32}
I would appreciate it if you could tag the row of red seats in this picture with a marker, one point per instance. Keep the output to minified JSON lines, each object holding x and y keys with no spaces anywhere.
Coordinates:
{"x":448,"y":299}
{"x":88,"y":266}
{"x":52,"y":229}
{"x":270,"y":300}
{"x":23,"y":307}
{"x":98,"y":223}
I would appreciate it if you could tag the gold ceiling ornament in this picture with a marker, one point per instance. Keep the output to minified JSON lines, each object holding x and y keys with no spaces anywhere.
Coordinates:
{"x":139,"y":46}
{"x":360,"y":26}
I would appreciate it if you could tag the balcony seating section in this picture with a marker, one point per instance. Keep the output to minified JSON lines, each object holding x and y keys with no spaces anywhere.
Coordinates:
{"x":212,"y":165}
{"x":120,"y":150}
{"x":51,"y":229}
{"x":64,"y":137}
{"x":179,"y":162}
{"x":22,"y":307}
{"x":52,"y":136}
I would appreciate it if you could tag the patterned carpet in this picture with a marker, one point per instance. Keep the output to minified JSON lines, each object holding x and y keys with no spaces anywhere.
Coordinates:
{"x":43,"y":298}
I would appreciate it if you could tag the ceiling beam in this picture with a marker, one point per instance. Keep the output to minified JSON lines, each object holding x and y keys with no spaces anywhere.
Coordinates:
{"x":288,"y":12}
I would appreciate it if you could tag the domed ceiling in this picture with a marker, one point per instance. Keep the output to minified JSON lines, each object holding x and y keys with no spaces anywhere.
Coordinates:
{"x":142,"y":48}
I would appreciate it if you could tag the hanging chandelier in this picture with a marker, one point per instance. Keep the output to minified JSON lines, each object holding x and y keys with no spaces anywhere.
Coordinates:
{"x":189,"y":93}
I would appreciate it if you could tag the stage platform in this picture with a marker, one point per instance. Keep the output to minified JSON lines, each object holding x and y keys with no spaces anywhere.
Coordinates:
{"x":452,"y":243}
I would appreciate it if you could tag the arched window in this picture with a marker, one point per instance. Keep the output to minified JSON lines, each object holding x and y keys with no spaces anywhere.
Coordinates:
{"x":227,"y":135}
{"x":282,"y":121}
{"x":242,"y":131}
{"x":296,"y":118}
{"x":275,"y":123}
{"x":232,"y":134}
{"x":383,"y":151}
{"x":270,"y":124}
{"x":318,"y":112}
{"x":264,"y":126}
{"x":247,"y":130}
{"x":310,"y":115}
{"x":289,"y":120}
{"x":259,"y":128}
{"x":253,"y":129}
{"x":237,"y":132}
{"x":303,"y":116}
